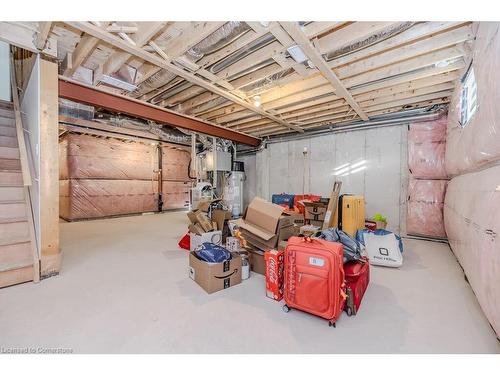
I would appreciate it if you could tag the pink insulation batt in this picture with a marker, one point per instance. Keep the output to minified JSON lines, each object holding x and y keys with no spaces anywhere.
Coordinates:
{"x":426,"y":149}
{"x":425,"y":208}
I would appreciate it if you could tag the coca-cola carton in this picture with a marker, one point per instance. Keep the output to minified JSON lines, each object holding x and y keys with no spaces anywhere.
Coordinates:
{"x":274,"y":273}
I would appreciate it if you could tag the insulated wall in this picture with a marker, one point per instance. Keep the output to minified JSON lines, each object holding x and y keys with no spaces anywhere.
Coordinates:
{"x":472,"y":202}
{"x":428,"y":178}
{"x":87,"y":198}
{"x":102,"y":177}
{"x":472,"y":219}
{"x":368,"y":162}
{"x":176,"y":183}
{"x":477,"y":143}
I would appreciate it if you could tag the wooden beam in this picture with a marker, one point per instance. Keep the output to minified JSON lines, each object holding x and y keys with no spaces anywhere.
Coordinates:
{"x":83,"y":50}
{"x":43,"y":34}
{"x":122,"y":29}
{"x":99,"y":33}
{"x":303,"y":41}
{"x":50,"y":254}
{"x":123,"y":104}
{"x":20,"y":36}
{"x":142,"y":37}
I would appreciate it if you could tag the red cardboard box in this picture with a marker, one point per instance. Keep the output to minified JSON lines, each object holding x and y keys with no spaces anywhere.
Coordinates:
{"x":274,"y":273}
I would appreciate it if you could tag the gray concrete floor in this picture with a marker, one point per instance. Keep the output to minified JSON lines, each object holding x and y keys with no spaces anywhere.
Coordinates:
{"x":124,"y":289}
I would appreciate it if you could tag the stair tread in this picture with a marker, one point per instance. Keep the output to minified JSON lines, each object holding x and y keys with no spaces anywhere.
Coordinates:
{"x":16,"y":265}
{"x":14,"y":240}
{"x":13,"y":220}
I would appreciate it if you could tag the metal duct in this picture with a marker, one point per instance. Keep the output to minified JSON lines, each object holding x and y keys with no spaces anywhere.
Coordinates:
{"x":368,"y":42}
{"x":221,"y":37}
{"x":415,"y":115}
{"x":267,"y":82}
{"x":242,"y":53}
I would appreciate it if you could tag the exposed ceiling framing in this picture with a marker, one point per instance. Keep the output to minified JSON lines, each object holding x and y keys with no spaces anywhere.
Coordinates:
{"x":242,"y":76}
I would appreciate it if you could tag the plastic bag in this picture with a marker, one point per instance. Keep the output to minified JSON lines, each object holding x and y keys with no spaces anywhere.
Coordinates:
{"x":378,"y":232}
{"x":352,"y":250}
{"x":212,"y":253}
{"x":384,"y":248}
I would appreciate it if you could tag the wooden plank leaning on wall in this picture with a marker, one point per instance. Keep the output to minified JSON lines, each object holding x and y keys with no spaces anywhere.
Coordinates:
{"x":49,"y":169}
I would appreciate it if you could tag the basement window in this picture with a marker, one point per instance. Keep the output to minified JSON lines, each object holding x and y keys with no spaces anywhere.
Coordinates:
{"x":468,"y":98}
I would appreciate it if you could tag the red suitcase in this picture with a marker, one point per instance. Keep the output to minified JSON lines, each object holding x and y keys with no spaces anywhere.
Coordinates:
{"x":314,"y":277}
{"x":357,"y":277}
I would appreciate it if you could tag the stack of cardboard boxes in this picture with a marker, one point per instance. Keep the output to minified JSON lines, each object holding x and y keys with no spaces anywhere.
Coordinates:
{"x":204,"y":228}
{"x":265,"y":226}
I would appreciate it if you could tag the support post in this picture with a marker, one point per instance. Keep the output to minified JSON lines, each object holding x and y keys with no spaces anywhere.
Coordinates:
{"x":49,"y":169}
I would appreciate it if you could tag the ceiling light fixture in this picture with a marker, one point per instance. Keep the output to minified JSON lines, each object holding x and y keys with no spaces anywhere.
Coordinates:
{"x":297,"y":54}
{"x":256,"y":101}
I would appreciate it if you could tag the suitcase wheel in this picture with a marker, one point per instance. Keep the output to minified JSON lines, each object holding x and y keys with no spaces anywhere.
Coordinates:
{"x":286,"y":308}
{"x":332,"y":324}
{"x":349,"y":311}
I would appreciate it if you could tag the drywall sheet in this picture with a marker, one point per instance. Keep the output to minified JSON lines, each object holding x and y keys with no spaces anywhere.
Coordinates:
{"x":477,"y":143}
{"x":30,"y":112}
{"x":83,"y":199}
{"x":4,"y":72}
{"x":85,"y":156}
{"x":368,"y":162}
{"x":472,"y":222}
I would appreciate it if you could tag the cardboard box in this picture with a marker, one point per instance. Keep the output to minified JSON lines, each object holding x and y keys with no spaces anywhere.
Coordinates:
{"x":195,"y":228}
{"x":274,"y":260}
{"x":315,"y":211}
{"x":257,"y":262}
{"x":204,"y":221}
{"x":316,"y":223}
{"x":196,"y":240}
{"x":285,"y":233}
{"x":192,"y":216}
{"x":220,"y":216}
{"x":297,"y":218}
{"x":204,"y":204}
{"x":213,"y":277}
{"x":261,"y":223}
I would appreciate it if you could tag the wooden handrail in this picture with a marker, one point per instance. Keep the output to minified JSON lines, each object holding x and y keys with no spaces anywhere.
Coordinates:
{"x":23,"y":154}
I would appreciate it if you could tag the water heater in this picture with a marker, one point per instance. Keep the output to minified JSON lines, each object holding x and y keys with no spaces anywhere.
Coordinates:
{"x":233,"y":192}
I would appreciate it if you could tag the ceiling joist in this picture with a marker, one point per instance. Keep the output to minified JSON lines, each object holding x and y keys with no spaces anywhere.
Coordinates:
{"x":99,"y":33}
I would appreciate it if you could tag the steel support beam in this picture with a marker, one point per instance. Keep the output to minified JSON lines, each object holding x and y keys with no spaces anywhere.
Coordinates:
{"x":121,"y":104}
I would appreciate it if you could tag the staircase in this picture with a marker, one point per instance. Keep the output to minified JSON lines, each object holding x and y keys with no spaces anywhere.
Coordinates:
{"x":18,"y":256}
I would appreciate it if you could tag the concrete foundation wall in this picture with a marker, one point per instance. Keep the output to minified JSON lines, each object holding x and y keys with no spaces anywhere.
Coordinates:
{"x":369,"y":162}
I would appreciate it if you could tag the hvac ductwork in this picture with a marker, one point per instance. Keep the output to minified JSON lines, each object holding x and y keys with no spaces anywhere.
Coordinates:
{"x":415,"y":115}
{"x":215,"y":41}
{"x":368,"y":42}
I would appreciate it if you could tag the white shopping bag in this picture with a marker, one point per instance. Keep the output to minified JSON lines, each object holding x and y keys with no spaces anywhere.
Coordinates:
{"x":383,"y":250}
